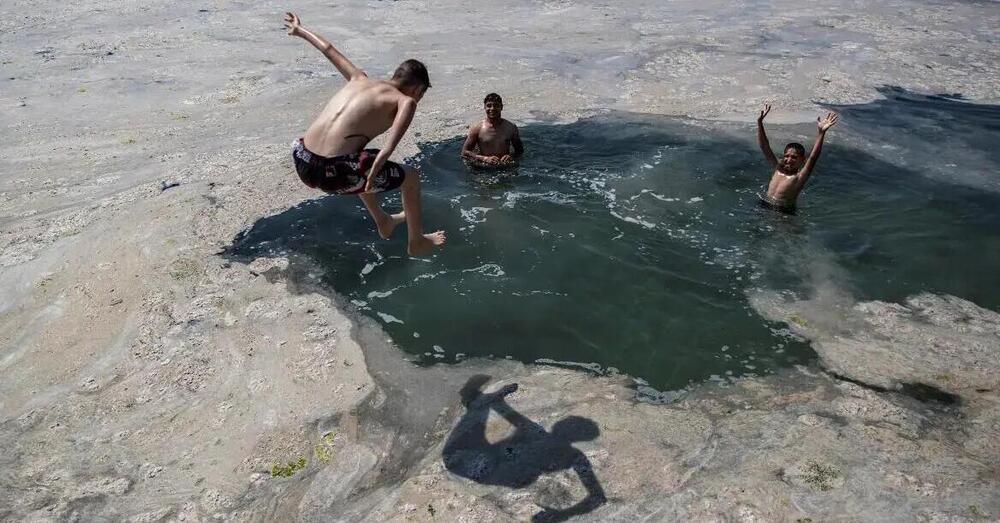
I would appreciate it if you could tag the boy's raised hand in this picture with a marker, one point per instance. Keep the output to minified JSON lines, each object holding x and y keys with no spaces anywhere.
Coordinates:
{"x":292,"y":24}
{"x":763,"y":112}
{"x":827,"y":121}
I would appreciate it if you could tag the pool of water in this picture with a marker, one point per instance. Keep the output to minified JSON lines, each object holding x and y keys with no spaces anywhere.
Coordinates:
{"x":630,"y":242}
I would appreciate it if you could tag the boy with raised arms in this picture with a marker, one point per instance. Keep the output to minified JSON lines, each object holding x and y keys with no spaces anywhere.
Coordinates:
{"x":792,"y":171}
{"x":332,"y":157}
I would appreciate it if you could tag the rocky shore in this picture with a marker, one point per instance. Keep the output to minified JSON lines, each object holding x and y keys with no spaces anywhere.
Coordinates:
{"x":145,"y":377}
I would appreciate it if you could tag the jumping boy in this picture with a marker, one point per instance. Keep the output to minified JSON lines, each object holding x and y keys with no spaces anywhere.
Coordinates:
{"x":331,"y":156}
{"x":793,"y":169}
{"x":494,"y":137}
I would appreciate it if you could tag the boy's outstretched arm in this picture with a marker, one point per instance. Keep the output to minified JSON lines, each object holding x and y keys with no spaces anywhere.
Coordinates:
{"x":346,"y":68}
{"x":515,"y":418}
{"x":765,"y":147}
{"x":823,"y":125}
{"x":405,"y":109}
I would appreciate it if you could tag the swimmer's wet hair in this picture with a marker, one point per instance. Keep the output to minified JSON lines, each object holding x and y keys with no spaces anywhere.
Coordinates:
{"x":797,"y":146}
{"x":412,"y":73}
{"x":493,"y":97}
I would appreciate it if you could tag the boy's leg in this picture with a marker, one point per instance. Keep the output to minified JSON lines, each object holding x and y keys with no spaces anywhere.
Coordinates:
{"x":419,"y":243}
{"x":384,"y":221}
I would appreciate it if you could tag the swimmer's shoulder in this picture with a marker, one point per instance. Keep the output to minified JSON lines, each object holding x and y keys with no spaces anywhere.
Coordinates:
{"x":476,"y":127}
{"x":508,"y":126}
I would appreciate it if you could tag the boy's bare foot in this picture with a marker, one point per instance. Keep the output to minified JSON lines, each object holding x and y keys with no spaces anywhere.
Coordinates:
{"x":386,"y":226}
{"x":425,"y":243}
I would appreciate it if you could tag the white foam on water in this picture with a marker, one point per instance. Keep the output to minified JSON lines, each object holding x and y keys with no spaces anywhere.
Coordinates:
{"x":512,"y":198}
{"x":429,"y":276}
{"x":370,"y":266}
{"x":475,"y":214}
{"x":537,"y":293}
{"x":488,"y":269}
{"x":660,"y":196}
{"x":637,"y":221}
{"x":388,"y":318}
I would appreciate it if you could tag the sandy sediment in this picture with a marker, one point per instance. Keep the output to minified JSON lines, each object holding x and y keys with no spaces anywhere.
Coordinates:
{"x":146,"y":378}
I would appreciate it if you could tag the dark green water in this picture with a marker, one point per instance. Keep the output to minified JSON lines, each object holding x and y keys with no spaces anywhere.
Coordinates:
{"x":630,"y":242}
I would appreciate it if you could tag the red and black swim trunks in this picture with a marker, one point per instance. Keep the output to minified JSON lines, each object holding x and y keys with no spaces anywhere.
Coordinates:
{"x":345,"y":173}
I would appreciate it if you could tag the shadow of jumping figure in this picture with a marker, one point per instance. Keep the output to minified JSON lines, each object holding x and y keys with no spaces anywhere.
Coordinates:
{"x":520,"y":459}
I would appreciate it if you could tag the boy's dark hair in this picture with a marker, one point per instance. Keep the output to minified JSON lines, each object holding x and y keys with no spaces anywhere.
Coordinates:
{"x":412,"y":73}
{"x":493,"y":97}
{"x":797,"y":146}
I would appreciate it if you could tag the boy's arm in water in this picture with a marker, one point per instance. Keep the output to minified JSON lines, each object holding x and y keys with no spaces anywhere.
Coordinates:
{"x":765,"y":147}
{"x":516,"y":144}
{"x":822,"y":125}
{"x":346,"y":68}
{"x":405,"y":109}
{"x":595,"y":494}
{"x":469,"y":147}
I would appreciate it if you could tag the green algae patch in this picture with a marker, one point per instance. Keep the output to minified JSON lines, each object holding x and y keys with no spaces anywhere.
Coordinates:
{"x":324,"y":449}
{"x":811,"y":474}
{"x":289,"y":470}
{"x":820,"y":477}
{"x":182,"y":268}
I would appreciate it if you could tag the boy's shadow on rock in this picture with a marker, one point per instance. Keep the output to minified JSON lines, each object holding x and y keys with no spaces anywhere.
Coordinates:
{"x":518,"y":460}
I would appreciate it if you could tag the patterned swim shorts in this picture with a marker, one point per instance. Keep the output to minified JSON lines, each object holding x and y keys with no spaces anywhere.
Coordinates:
{"x":345,"y":173}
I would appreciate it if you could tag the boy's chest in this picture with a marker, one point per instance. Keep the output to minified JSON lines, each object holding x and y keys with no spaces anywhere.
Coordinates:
{"x":782,"y":183}
{"x":493,"y":135}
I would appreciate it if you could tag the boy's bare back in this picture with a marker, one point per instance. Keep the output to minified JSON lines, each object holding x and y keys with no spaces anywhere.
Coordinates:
{"x":360,"y":111}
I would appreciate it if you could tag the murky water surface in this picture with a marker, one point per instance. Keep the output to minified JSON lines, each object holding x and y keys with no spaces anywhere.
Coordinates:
{"x":630,"y":242}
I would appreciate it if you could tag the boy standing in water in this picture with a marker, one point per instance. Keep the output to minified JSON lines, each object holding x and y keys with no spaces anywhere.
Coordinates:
{"x":793,"y":169}
{"x":331,"y":156}
{"x":494,"y":137}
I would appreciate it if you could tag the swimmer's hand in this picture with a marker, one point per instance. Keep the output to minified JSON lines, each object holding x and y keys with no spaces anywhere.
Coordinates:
{"x":506,"y":159}
{"x":827,"y":121}
{"x":370,"y":181}
{"x":491,"y":160}
{"x":293,"y":25}
{"x":763,"y":112}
